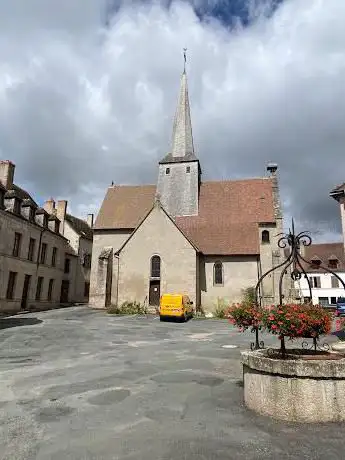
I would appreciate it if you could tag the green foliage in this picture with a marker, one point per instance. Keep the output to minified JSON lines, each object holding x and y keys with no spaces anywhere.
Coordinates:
{"x":248,"y":295}
{"x":128,"y":308}
{"x":221,"y":308}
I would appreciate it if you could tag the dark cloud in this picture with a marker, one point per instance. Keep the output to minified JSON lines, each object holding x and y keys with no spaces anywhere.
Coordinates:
{"x":82,"y":104}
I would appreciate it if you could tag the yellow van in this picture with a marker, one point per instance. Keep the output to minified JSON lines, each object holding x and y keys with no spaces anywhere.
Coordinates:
{"x":175,"y":306}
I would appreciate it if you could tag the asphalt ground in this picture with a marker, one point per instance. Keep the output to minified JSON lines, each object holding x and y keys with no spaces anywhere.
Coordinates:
{"x":79,"y":384}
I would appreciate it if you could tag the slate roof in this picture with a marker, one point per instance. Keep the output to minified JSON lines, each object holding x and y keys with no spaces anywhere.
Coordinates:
{"x":227,"y":223}
{"x":324,"y":252}
{"x":80,"y":226}
{"x":338,"y":192}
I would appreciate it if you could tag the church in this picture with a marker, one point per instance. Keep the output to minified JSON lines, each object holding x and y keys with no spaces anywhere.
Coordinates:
{"x":210,"y":240}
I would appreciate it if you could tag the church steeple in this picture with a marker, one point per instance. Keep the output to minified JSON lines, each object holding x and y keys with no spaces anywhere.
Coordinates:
{"x":179,"y":171}
{"x":182,"y":140}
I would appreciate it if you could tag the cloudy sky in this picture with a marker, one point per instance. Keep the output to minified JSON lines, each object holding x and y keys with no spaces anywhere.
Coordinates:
{"x":88,"y":91}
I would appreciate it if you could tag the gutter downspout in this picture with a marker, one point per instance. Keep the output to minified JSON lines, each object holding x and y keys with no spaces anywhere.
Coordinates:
{"x":39,"y":250}
{"x":116,"y":256}
{"x":259,"y":275}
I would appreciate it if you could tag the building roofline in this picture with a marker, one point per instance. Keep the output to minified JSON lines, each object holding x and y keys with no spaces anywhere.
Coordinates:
{"x":157,"y":203}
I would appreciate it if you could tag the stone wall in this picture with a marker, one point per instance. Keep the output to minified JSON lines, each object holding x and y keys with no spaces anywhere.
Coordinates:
{"x":157,"y":235}
{"x":11,"y":224}
{"x":239,"y":273}
{"x":294,"y":390}
{"x":104,"y":239}
{"x":179,"y":190}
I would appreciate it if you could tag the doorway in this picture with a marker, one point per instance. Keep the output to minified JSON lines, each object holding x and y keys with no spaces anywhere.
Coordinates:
{"x":64,"y":291}
{"x":26,"y":288}
{"x":154,"y":292}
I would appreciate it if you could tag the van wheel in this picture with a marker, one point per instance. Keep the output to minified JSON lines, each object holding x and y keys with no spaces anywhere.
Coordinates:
{"x":161,"y":319}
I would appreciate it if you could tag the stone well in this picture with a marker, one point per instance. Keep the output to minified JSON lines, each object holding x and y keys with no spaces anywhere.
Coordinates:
{"x":299,"y":390}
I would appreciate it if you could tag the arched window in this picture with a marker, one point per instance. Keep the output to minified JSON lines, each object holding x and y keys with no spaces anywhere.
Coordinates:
{"x":265,"y":236}
{"x":155,"y":267}
{"x":218,"y":274}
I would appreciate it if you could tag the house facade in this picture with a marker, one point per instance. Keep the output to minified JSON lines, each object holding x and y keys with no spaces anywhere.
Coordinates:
{"x":207,"y":239}
{"x":42,"y":254}
{"x":325,"y":287}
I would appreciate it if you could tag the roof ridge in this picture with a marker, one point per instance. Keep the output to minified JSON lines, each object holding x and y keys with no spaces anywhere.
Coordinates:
{"x":130,"y":185}
{"x":245,"y":179}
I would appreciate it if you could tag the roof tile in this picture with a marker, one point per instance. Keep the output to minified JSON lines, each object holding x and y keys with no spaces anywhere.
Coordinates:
{"x":227,"y":223}
{"x":324,"y":252}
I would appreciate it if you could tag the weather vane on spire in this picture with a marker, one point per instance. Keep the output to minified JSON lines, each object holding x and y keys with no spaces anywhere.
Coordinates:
{"x":185,"y":59}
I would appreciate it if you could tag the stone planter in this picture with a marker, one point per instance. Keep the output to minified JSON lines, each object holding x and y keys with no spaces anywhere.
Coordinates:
{"x":339,"y":347}
{"x":299,"y":390}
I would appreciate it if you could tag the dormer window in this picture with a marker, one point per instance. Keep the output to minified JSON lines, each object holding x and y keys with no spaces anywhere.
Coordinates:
{"x":42,"y":217}
{"x":333,"y":262}
{"x":28,"y":209}
{"x":31,"y":214}
{"x":167,"y":171}
{"x":315,"y":262}
{"x":12,"y":201}
{"x":16,"y":206}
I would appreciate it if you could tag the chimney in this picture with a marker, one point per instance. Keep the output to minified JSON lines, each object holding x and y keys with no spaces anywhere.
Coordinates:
{"x":272,"y":169}
{"x":89,"y":220}
{"x":61,"y":208}
{"x":49,"y":206}
{"x":6,"y":173}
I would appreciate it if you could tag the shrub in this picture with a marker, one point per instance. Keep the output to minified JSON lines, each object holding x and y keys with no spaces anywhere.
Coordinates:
{"x":113,"y":310}
{"x":248,"y":295}
{"x":128,"y":308}
{"x":220,"y":310}
{"x":294,"y":320}
{"x":245,"y":315}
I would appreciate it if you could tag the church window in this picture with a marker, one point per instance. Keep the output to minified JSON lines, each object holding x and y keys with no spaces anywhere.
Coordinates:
{"x":155,"y":267}
{"x":265,"y":236}
{"x":218,"y":274}
{"x":188,"y":169}
{"x":167,"y":171}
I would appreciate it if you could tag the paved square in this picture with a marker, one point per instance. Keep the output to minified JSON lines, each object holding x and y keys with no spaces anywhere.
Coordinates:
{"x":79,"y":384}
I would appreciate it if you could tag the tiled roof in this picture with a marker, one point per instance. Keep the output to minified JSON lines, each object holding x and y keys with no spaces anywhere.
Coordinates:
{"x":212,"y":238}
{"x":125,"y":206}
{"x":80,"y":226}
{"x":324,"y":252}
{"x":229,"y":212}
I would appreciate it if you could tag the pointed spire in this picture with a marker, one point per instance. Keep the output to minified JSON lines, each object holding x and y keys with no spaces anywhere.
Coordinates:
{"x":182,"y":141}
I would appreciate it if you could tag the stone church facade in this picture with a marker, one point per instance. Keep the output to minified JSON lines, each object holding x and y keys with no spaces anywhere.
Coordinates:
{"x":207,"y":239}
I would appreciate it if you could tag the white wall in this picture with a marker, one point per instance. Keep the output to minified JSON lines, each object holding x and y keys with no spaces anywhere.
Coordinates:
{"x":326,"y":289}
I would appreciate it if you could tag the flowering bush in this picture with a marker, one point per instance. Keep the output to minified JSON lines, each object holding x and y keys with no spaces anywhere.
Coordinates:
{"x":245,"y":315}
{"x":309,"y":321}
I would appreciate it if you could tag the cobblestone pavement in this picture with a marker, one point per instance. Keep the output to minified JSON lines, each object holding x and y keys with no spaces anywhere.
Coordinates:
{"x":78,"y":384}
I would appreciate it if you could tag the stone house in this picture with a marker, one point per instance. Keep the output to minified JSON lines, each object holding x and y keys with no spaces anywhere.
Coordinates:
{"x":208,"y":239}
{"x":45,"y":253}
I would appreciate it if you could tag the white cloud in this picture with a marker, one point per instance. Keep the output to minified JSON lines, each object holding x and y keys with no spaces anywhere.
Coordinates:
{"x":81,"y":106}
